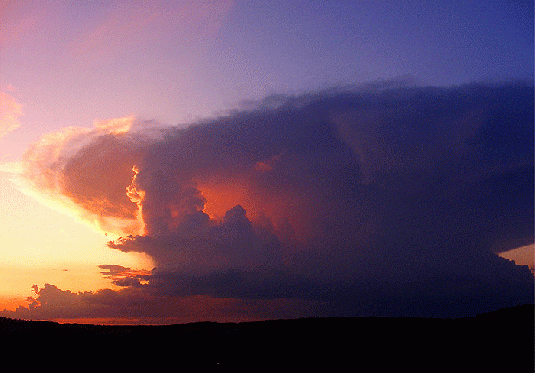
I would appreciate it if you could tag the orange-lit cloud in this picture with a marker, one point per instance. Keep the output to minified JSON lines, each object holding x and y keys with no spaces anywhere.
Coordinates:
{"x":219,"y":198}
{"x":86,"y":171}
{"x":523,"y":255}
{"x":136,"y":196}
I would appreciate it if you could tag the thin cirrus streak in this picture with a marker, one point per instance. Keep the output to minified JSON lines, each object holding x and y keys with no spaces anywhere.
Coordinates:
{"x":383,"y":200}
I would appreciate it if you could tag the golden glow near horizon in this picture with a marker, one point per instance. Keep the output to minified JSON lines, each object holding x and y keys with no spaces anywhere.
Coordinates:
{"x":39,"y":244}
{"x":45,"y":237}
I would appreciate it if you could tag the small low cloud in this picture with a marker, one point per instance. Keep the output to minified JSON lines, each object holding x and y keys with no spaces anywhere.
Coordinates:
{"x":123,"y":276}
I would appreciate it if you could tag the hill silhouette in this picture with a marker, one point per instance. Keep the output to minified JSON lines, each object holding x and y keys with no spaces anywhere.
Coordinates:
{"x":501,"y":339}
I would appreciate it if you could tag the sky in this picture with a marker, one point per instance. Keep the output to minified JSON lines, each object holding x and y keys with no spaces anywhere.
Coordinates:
{"x":178,"y":161}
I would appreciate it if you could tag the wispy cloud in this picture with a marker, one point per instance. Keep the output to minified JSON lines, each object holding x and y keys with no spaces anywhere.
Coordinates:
{"x":10,"y":112}
{"x":128,"y":27}
{"x":57,"y":173}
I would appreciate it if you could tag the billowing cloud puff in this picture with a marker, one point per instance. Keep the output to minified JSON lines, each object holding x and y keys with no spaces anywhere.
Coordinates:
{"x":374,"y":200}
{"x":87,"y":170}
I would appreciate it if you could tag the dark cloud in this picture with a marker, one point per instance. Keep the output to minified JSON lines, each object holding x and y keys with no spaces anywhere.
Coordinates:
{"x":137,"y":305}
{"x":373,"y":200}
{"x":123,"y":276}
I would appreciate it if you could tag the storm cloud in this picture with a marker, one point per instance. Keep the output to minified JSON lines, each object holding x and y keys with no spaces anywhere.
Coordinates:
{"x":384,"y":199}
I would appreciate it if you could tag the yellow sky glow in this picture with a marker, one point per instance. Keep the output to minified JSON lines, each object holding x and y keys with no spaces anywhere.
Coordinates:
{"x":39,"y":244}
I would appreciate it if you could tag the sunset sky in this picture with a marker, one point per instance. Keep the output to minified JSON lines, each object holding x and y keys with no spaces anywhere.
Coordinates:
{"x":176,"y":161}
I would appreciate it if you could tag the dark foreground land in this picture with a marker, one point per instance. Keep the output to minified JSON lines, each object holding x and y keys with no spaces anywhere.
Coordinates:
{"x":501,"y":341}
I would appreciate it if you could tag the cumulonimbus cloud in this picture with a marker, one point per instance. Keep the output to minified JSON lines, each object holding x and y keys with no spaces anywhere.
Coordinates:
{"x":374,"y":200}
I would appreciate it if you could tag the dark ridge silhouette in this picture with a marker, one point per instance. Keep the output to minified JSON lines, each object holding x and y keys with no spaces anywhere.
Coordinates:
{"x":499,"y":340}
